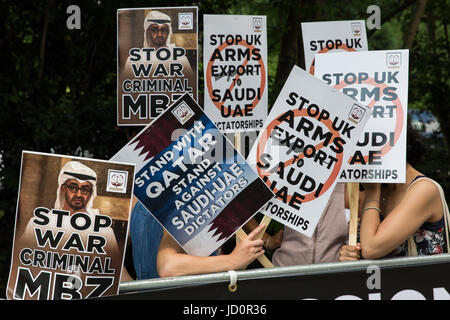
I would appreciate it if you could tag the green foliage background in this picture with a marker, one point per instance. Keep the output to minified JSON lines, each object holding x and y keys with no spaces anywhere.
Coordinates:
{"x":58,"y":86}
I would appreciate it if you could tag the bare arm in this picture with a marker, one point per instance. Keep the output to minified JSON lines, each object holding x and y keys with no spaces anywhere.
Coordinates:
{"x":173,"y":261}
{"x":380,"y":238}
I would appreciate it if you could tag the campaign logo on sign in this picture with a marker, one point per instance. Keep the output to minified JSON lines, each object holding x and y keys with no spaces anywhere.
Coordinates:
{"x":356,"y":28}
{"x":185,"y":20}
{"x":356,"y":113}
{"x":117,"y":181}
{"x":394,"y":59}
{"x":183,"y":113}
{"x":257,"y":24}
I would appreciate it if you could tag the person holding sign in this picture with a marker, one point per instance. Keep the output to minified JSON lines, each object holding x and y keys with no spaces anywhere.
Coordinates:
{"x":403,"y":219}
{"x":324,"y":245}
{"x":271,"y":242}
{"x":173,"y":261}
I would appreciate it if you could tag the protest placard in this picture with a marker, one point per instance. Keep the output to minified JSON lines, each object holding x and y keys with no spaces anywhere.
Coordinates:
{"x":378,"y":79}
{"x":156,"y":61}
{"x":71,"y":227}
{"x":332,"y":36}
{"x":235,"y":69}
{"x":299,"y":153}
{"x":191,"y":179}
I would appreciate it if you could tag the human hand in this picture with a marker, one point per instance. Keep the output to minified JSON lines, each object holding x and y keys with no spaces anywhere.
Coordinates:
{"x":350,"y":253}
{"x":274,"y":242}
{"x":247,"y":250}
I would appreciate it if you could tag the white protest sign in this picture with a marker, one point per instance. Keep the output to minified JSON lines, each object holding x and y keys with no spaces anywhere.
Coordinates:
{"x":326,"y":36}
{"x":300,"y":151}
{"x":235,"y":69}
{"x":378,"y":79}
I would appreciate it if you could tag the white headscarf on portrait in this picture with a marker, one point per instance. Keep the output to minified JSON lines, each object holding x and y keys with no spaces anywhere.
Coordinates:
{"x":82,"y":173}
{"x":159,"y":18}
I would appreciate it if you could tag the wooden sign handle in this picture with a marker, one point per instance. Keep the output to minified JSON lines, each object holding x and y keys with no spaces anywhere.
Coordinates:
{"x":265,"y":220}
{"x":353,"y":197}
{"x":240,"y":234}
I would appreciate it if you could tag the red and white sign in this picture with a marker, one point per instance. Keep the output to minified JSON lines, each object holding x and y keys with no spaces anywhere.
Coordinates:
{"x":235,"y":68}
{"x":378,"y":79}
{"x":332,"y":36}
{"x":300,"y":151}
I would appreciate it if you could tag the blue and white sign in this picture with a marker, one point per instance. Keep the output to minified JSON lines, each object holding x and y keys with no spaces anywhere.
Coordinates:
{"x":192,"y":179}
